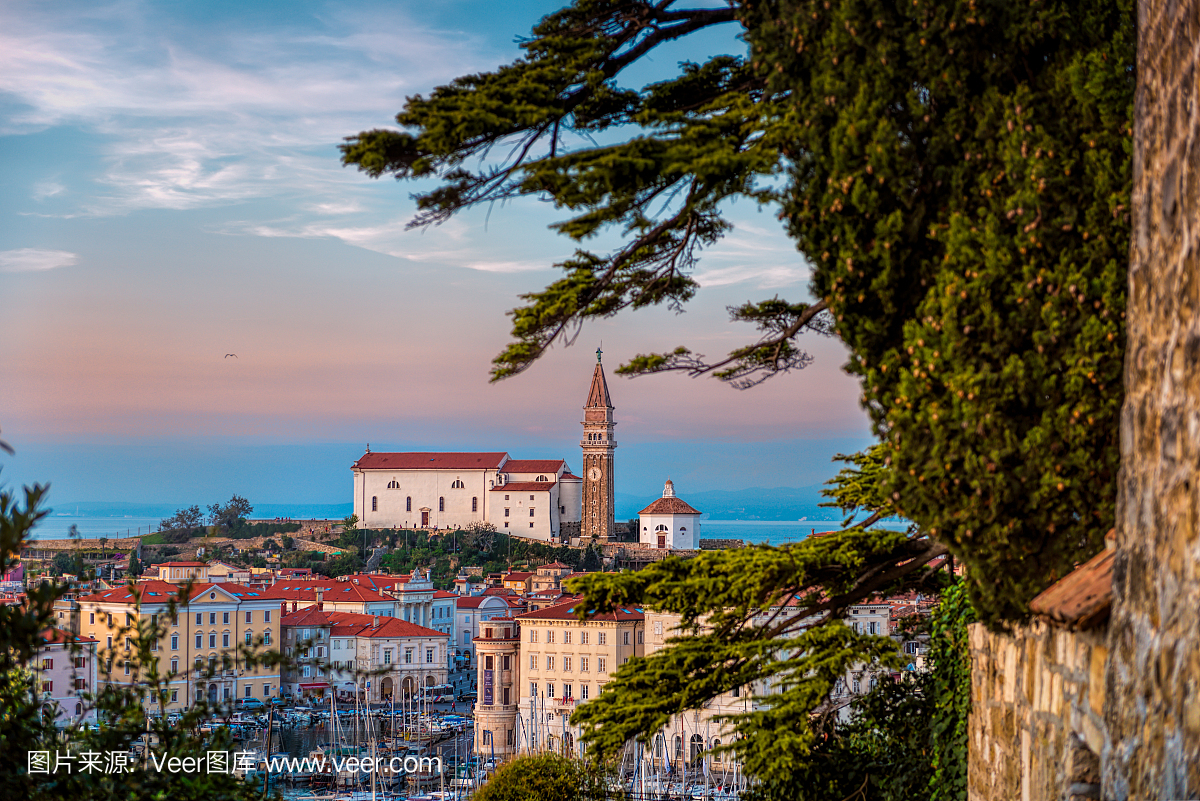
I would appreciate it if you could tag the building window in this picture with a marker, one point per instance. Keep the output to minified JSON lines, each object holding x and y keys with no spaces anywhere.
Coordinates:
{"x":267,"y":616}
{"x":506,"y":525}
{"x":374,"y":503}
{"x":248,"y":616}
{"x":533,"y":636}
{"x":475,"y":504}
{"x":531,"y":524}
{"x":199,"y":618}
{"x":457,"y":484}
{"x":225,"y":618}
{"x":533,"y":689}
{"x":600,"y":666}
{"x":429,"y":656}
{"x":212,"y":617}
{"x":441,"y":504}
{"x":408,"y":504}
{"x":212,"y":641}
{"x":199,"y":640}
{"x":266,"y":691}
{"x":174,"y":696}
{"x":225,"y":640}
{"x":174,"y":665}
{"x":549,"y":690}
{"x":542,"y":478}
{"x":641,"y":638}
{"x":174,"y":642}
{"x":583,"y":664}
{"x":506,"y":511}
{"x":92,"y":618}
{"x":549,"y":663}
{"x":248,"y":638}
{"x":408,"y":656}
{"x":533,"y":660}
{"x":531,"y":510}
{"x":247,"y":693}
{"x":566,"y":638}
{"x":567,"y":664}
{"x":583,"y":638}
{"x":393,"y":484}
{"x":550,"y":636}
{"x":266,"y":638}
{"x":626,"y":638}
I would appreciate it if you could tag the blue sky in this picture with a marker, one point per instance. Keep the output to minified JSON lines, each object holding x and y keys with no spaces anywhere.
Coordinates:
{"x":170,"y":192}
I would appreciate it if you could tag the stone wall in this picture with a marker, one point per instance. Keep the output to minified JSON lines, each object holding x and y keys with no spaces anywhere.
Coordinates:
{"x":1153,"y":714}
{"x":1036,"y":725}
{"x":720,"y":545}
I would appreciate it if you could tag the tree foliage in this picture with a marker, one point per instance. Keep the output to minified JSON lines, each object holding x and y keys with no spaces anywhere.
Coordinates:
{"x":956,"y":173}
{"x":27,"y":724}
{"x":543,"y":777}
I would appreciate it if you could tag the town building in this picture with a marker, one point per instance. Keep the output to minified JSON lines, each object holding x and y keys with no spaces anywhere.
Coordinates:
{"x":470,"y":612}
{"x":563,"y":662}
{"x":549,"y":577}
{"x":198,"y":645}
{"x":669,"y":522}
{"x":64,"y":667}
{"x":371,"y":657}
{"x":182,"y":572}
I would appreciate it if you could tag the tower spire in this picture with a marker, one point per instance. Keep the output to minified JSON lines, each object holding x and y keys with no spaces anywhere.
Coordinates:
{"x":598,"y":444}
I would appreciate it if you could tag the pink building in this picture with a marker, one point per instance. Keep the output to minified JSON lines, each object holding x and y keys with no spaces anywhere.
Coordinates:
{"x":64,"y":668}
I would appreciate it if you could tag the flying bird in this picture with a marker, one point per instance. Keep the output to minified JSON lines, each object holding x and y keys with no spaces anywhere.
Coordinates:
{"x":227,"y":355}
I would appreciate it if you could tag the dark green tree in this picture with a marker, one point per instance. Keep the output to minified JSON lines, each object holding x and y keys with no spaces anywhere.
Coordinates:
{"x":231,"y":515}
{"x":957,"y":174}
{"x":188,"y":519}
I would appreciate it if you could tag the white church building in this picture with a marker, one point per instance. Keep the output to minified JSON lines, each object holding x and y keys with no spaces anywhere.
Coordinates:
{"x":669,"y":522}
{"x":524,"y":497}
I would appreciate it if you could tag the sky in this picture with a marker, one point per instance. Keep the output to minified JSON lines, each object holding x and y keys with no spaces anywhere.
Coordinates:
{"x":170,"y":192}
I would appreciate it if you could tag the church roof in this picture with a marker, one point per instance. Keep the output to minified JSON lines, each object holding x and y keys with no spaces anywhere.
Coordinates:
{"x":431,"y":461}
{"x":669,"y":506}
{"x":533,"y":465}
{"x":598,"y":394}
{"x":524,"y":486}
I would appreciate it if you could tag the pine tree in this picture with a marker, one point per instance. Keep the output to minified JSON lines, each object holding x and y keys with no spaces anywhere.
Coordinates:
{"x":957,"y":174}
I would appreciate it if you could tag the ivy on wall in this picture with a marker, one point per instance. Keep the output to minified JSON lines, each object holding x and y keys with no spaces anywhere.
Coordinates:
{"x":951,"y":659}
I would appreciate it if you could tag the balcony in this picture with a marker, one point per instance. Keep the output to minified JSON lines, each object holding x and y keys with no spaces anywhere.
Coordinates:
{"x":563,"y":703}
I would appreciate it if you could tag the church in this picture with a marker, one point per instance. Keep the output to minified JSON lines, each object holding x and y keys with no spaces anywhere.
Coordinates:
{"x":534,"y":498}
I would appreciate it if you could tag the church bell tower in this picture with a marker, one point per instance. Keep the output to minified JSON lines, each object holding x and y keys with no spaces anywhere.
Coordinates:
{"x":598,"y":445}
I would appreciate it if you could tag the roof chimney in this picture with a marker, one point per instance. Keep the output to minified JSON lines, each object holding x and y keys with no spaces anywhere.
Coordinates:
{"x":283,"y":609}
{"x":320,"y":600}
{"x":377,"y":621}
{"x":293,"y":606}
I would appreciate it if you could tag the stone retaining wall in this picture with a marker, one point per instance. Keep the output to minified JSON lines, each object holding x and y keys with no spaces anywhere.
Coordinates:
{"x":1037,"y":725}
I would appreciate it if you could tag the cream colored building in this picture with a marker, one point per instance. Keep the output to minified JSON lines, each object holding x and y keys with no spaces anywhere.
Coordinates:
{"x":565,"y":662}
{"x":198,"y":649}
{"x":372,"y":657}
{"x":669,"y":522}
{"x":523,"y":497}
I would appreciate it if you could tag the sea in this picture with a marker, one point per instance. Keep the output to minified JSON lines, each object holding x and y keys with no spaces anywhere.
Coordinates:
{"x":58,"y":527}
{"x":776,"y":532}
{"x":771,"y":532}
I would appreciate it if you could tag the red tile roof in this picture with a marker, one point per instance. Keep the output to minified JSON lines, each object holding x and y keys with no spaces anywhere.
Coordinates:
{"x":1083,"y":598}
{"x":669,"y":506}
{"x":444,"y":594}
{"x":148,"y":592}
{"x":473,"y":601}
{"x":376,"y":581}
{"x":334,"y":591}
{"x":352,"y":624}
{"x":182,"y":564}
{"x":533,"y":465}
{"x":54,"y":636}
{"x":566,"y":611}
{"x":571,"y":476}
{"x":556,"y":566}
{"x":431,"y":461}
{"x":524,"y":486}
{"x":516,"y":576}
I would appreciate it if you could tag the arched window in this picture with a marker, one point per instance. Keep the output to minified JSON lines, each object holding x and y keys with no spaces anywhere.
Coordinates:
{"x":683,"y":528}
{"x":658,"y":746}
{"x":441,"y":504}
{"x":374,"y":503}
{"x":716,"y":744}
{"x":457,"y":484}
{"x":697,"y":747}
{"x":474,"y":504}
{"x":542,"y":478}
{"x":408,"y":504}
{"x":661,"y":527}
{"x":393,"y":484}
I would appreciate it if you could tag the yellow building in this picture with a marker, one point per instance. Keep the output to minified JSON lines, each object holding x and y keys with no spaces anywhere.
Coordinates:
{"x":198,"y":646}
{"x":561,"y":662}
